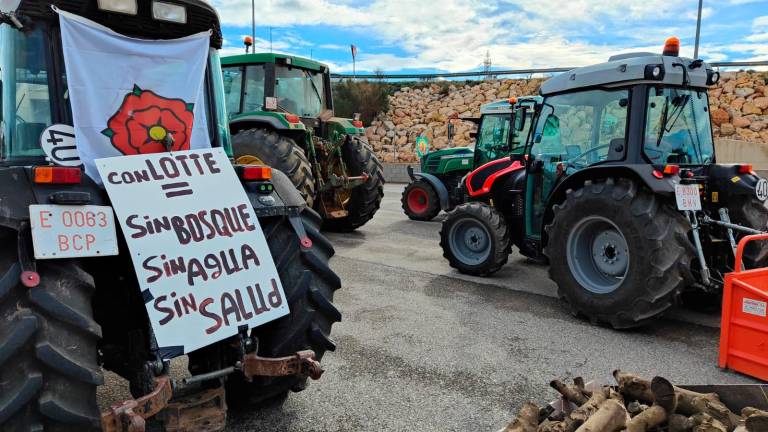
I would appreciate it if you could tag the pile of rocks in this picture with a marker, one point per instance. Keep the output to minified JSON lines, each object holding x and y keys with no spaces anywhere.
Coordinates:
{"x":739,"y":108}
{"x":424,"y":111}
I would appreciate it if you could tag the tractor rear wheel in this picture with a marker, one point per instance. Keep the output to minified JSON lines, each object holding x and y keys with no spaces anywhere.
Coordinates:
{"x":48,"y":346}
{"x":475,"y":239}
{"x":365,"y":199}
{"x":618,"y":255}
{"x":420,"y":201}
{"x":309,"y":284}
{"x":752,"y":213}
{"x":279,"y":152}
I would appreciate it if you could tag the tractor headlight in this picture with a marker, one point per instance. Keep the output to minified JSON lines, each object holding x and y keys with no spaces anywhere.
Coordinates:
{"x":654,"y":72}
{"x":169,"y":12}
{"x":120,"y":6}
{"x":712,"y":77}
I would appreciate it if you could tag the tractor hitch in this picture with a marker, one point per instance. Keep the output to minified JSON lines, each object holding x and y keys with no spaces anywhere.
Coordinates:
{"x":302,"y":363}
{"x":131,"y":415}
{"x":344,"y":182}
{"x":183,"y":407}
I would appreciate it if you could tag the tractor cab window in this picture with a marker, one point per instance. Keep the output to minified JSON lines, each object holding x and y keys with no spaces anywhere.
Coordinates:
{"x":577,"y":128}
{"x":254,"y":88}
{"x":493,"y":138}
{"x":26,"y":109}
{"x":573,"y":131}
{"x":233,"y":87}
{"x":677,"y":128}
{"x":299,"y":91}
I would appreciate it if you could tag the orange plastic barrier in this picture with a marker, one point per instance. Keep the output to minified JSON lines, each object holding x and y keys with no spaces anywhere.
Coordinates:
{"x":744,"y":327}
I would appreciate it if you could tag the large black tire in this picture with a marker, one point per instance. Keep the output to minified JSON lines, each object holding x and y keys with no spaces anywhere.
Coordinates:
{"x":366,"y":198}
{"x":479,"y":221}
{"x":752,"y":213}
{"x":654,"y":236}
{"x":420,"y":201}
{"x":281,"y":153}
{"x":48,"y":353}
{"x":309,"y":284}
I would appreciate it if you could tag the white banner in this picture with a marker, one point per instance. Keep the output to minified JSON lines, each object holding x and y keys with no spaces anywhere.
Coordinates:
{"x":132,"y":96}
{"x":203,"y":264}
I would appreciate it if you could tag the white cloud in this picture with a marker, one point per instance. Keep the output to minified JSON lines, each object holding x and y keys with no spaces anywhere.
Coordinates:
{"x":454,"y":35}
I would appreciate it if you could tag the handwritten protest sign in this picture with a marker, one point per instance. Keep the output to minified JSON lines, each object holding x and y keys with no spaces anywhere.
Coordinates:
{"x":202,"y":261}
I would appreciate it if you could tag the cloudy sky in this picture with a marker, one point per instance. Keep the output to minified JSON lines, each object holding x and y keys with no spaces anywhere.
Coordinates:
{"x":454,"y":35}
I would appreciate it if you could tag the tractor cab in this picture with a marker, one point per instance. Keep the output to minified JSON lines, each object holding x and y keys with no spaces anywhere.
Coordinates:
{"x":618,"y":189}
{"x":642,"y":114}
{"x":500,"y":132}
{"x":34,"y":85}
{"x":290,"y":90}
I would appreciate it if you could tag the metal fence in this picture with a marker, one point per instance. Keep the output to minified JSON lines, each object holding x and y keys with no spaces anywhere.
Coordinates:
{"x":496,"y":73}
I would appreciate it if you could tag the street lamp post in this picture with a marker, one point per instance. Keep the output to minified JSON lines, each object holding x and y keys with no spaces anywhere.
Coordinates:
{"x":698,"y":31}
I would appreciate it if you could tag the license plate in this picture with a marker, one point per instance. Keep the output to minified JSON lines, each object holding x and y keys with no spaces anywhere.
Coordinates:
{"x":687,"y":197}
{"x":60,"y":231}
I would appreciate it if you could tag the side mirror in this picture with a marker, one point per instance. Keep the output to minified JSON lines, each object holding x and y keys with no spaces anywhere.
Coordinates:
{"x":450,"y":132}
{"x":520,"y":116}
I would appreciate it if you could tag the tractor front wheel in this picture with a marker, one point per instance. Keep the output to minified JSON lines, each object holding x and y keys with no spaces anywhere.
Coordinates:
{"x":475,"y":239}
{"x":364,"y":200}
{"x":420,"y":201}
{"x":618,"y":255}
{"x":279,"y":152}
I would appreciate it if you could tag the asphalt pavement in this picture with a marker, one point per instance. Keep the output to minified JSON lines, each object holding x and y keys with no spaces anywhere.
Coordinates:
{"x":423,"y":348}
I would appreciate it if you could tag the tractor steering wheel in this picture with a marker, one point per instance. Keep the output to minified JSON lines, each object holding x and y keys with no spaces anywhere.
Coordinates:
{"x":572,"y":161}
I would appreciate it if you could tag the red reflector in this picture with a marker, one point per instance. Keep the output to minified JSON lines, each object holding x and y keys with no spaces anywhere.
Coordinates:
{"x":357,"y":123}
{"x":658,"y":174}
{"x":256,"y":173}
{"x":745,"y":169}
{"x":671,"y":169}
{"x":57,"y":175}
{"x":292,"y":118}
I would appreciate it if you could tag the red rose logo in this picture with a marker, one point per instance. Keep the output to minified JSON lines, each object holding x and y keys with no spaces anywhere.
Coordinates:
{"x":148,"y":123}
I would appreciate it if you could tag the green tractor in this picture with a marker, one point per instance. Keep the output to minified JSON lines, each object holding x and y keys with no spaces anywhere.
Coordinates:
{"x":281,"y":113}
{"x":64,"y":320}
{"x":450,"y":176}
{"x":619,"y":190}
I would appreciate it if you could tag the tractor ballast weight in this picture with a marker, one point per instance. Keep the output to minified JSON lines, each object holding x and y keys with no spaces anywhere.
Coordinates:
{"x":63,"y":320}
{"x":282,"y":114}
{"x":618,"y":189}
{"x":454,"y":175}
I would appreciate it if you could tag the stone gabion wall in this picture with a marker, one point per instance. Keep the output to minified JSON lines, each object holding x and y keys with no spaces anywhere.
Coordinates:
{"x":738,"y":104}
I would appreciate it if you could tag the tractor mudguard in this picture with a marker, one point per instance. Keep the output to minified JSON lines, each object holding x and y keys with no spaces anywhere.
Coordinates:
{"x":481,"y":180}
{"x":437,"y":184}
{"x":285,"y":200}
{"x":728,"y":182}
{"x":247,"y":121}
{"x":642,"y":173}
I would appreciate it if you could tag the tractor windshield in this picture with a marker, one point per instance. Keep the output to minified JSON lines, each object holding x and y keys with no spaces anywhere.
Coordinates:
{"x":299,"y":91}
{"x":677,"y":128}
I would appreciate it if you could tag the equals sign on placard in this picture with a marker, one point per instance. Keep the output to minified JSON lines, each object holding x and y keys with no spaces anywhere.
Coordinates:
{"x":176,"y":189}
